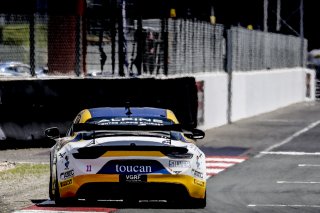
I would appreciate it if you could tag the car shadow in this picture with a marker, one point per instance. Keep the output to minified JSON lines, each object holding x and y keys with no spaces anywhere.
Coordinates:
{"x":119,"y":204}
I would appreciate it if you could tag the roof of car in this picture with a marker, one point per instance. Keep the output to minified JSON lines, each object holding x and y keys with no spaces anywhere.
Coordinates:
{"x":122,"y":111}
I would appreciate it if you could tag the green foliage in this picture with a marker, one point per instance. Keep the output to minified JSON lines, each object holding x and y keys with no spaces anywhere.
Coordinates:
{"x":19,"y":34}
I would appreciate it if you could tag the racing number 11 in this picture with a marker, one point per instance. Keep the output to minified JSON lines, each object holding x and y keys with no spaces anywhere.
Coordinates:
{"x":88,"y":168}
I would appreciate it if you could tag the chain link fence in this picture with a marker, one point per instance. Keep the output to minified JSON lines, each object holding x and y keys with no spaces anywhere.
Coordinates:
{"x":257,"y":50}
{"x":17,"y":39}
{"x":77,"y":45}
{"x":195,"y":46}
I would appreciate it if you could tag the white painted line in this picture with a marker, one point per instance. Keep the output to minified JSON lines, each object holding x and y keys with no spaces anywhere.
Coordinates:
{"x":48,"y":202}
{"x":221,"y":165}
{"x":298,"y":182}
{"x":231,"y":160}
{"x":284,"y":205}
{"x":288,"y":139}
{"x":214,"y":171}
{"x":291,"y":153}
{"x":309,"y":165}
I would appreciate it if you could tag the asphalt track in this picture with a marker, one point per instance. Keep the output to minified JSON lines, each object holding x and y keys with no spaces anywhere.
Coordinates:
{"x":281,"y":172}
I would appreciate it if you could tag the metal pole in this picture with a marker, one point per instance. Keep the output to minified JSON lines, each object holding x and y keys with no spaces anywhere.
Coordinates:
{"x":278,"y":15}
{"x":78,"y":48}
{"x":301,"y":33}
{"x":265,"y":15}
{"x":121,"y":40}
{"x":229,"y":70}
{"x":32,"y":44}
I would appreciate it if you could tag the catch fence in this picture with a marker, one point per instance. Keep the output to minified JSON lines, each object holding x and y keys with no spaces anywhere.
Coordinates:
{"x":85,"y":46}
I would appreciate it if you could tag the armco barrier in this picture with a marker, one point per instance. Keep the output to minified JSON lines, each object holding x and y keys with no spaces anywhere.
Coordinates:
{"x":28,"y":107}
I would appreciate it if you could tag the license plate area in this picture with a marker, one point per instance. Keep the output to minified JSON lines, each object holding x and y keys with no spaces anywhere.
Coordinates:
{"x":133,"y":178}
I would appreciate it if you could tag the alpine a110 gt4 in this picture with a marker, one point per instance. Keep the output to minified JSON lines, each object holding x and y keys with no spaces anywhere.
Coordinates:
{"x":123,"y":153}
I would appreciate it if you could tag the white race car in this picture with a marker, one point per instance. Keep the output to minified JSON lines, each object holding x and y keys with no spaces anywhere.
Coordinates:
{"x":129,"y":154}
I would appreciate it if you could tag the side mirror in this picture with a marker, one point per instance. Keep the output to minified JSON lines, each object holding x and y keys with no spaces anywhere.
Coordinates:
{"x":52,"y":132}
{"x":195,"y":134}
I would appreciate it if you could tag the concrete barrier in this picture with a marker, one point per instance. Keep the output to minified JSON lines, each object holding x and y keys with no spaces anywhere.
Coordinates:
{"x":28,"y":107}
{"x":253,"y":93}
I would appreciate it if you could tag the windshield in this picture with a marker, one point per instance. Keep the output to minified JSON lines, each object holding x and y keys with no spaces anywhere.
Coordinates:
{"x":134,"y":121}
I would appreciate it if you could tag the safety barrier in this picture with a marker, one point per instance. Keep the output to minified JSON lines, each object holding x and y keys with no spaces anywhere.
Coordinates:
{"x":27,"y":107}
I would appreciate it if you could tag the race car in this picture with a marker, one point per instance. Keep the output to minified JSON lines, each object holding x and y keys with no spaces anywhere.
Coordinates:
{"x":128,"y":154}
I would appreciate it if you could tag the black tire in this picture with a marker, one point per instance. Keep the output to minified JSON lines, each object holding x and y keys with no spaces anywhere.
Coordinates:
{"x":61,"y":201}
{"x":198,"y":203}
{"x":51,"y":196}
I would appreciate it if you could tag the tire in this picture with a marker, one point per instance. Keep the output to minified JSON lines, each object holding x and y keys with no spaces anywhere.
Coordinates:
{"x":51,"y":196}
{"x":61,"y":201}
{"x":198,"y":203}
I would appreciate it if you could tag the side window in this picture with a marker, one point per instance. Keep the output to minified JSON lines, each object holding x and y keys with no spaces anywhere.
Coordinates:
{"x":75,"y":121}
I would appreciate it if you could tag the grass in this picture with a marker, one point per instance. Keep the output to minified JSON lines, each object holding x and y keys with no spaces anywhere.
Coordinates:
{"x":25,"y":170}
{"x":18,"y":34}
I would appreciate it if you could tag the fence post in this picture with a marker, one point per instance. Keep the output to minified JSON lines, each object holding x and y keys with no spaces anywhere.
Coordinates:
{"x":164,"y":28}
{"x":121,"y":40}
{"x":229,"y":71}
{"x":32,"y":44}
{"x":78,"y":48}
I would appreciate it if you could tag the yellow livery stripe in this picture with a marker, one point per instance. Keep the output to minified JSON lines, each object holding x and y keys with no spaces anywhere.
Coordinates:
{"x":171,"y":116}
{"x":85,"y":115}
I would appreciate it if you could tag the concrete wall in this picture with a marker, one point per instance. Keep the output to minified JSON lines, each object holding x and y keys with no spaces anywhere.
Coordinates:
{"x":253,"y":93}
{"x":215,"y":99}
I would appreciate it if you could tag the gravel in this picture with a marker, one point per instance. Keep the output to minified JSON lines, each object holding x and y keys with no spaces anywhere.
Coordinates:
{"x":22,"y":189}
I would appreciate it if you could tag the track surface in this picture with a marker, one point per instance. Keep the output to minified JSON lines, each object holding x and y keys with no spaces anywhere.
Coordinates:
{"x":281,"y":174}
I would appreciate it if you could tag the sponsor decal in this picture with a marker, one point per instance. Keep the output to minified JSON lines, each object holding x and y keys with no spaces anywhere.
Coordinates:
{"x":199,"y":182}
{"x":198,"y":162}
{"x":67,"y":174}
{"x":133,"y":178}
{"x":66,"y":164}
{"x":179,"y":164}
{"x":61,"y":155}
{"x":131,"y":121}
{"x":131,"y":168}
{"x":177,"y":172}
{"x":197,"y":173}
{"x":66,"y":182}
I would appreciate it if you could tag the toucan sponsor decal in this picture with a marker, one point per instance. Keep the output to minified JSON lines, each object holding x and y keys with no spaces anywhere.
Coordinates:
{"x":130,"y":167}
{"x":179,"y":164}
{"x":67,"y":174}
{"x":136,"y":169}
{"x":66,"y":182}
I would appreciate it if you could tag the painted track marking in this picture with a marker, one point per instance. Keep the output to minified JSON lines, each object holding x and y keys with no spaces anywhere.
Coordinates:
{"x":284,"y":205}
{"x":217,"y":164}
{"x":288,"y":139}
